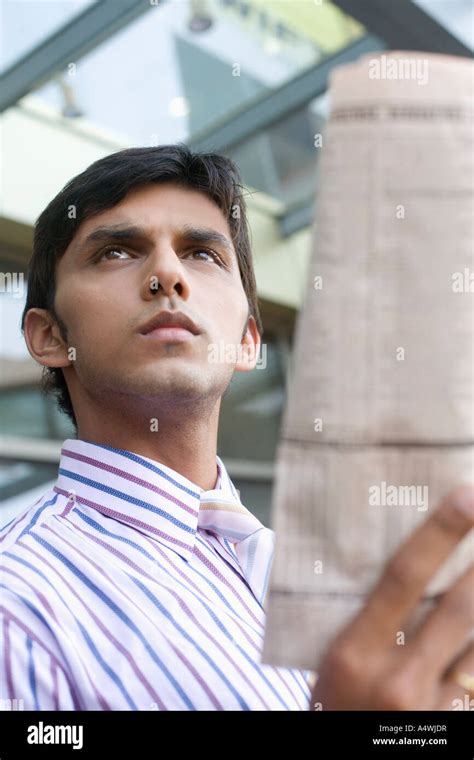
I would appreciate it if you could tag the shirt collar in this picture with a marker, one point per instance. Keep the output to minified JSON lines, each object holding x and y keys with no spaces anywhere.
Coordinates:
{"x":138,"y":491}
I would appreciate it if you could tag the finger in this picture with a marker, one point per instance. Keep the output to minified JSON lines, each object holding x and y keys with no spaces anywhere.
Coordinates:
{"x":445,"y":631}
{"x":407,"y":573}
{"x":454,"y":695}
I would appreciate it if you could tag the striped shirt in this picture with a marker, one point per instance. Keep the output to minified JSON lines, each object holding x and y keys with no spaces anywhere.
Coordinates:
{"x":114,"y":598}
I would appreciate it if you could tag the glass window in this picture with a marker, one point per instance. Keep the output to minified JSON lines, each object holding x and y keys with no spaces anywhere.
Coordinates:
{"x":282,"y":161}
{"x":251,"y":409}
{"x":28,"y":412}
{"x":183,"y":66}
{"x":457,"y":16}
{"x":19,"y":477}
{"x":26,"y":23}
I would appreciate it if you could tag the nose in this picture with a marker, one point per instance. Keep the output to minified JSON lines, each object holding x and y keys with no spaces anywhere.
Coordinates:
{"x":165,"y":274}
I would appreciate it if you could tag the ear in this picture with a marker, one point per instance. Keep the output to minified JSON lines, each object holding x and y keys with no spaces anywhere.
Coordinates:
{"x":250,"y":348}
{"x":44,"y":340}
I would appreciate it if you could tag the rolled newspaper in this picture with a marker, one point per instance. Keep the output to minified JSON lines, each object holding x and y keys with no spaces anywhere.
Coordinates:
{"x":379,"y":421}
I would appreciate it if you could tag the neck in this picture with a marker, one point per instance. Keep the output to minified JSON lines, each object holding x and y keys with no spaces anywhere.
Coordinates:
{"x":183,"y":438}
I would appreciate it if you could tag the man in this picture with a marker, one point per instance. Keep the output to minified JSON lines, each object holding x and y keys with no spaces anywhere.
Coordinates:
{"x":138,"y":581}
{"x":114,"y":595}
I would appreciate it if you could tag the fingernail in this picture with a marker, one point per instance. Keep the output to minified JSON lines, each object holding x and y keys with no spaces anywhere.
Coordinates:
{"x":463,"y":500}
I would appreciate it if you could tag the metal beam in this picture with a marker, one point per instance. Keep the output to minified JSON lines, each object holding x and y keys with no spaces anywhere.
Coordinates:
{"x":274,"y":106}
{"x":68,"y":44}
{"x":297,"y":217}
{"x":404,"y":26}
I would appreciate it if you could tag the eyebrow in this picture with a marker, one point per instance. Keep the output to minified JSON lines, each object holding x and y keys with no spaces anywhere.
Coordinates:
{"x":134,"y":233}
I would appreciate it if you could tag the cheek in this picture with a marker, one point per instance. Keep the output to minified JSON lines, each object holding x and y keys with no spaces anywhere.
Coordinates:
{"x":226,"y":308}
{"x":90,"y":315}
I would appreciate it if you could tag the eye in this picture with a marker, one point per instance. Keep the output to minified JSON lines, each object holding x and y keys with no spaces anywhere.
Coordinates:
{"x":212,"y":255}
{"x":110,"y":249}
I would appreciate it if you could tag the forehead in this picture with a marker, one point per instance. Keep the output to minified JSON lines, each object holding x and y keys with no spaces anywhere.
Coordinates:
{"x":158,"y":208}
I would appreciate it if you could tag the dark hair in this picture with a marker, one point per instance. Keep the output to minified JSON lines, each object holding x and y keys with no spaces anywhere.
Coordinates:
{"x":103,"y":185}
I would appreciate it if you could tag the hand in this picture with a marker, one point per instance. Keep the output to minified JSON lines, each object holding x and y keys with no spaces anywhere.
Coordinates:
{"x":365,"y":669}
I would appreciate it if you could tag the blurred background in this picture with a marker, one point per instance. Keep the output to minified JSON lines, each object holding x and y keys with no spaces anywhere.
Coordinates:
{"x":248,"y":78}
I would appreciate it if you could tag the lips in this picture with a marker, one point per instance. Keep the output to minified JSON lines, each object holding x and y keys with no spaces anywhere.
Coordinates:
{"x":168,"y":320}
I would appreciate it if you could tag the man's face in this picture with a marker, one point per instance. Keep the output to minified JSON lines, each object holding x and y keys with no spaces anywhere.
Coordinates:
{"x":104,"y":298}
